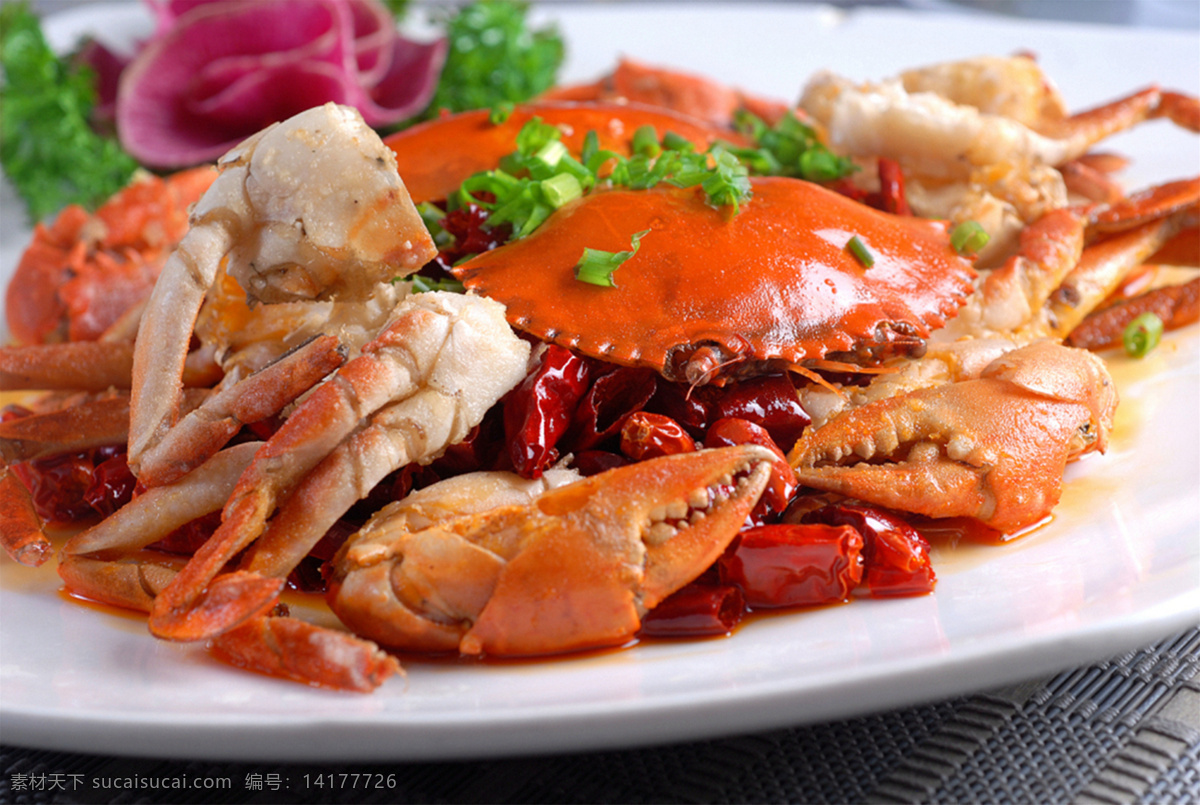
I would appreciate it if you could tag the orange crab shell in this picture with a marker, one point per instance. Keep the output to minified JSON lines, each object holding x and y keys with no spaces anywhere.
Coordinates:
{"x":774,"y":284}
{"x":435,"y":157}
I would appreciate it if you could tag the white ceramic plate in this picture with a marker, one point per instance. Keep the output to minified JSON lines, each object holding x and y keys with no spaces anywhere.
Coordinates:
{"x":1118,"y":567}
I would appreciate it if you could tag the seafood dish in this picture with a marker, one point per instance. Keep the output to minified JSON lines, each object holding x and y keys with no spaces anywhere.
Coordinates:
{"x":623,"y":362}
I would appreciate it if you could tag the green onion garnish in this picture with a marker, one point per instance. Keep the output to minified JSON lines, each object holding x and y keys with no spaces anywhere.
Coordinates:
{"x":560,"y":189}
{"x":597,"y":266}
{"x":789,"y":148}
{"x":1142,"y":335}
{"x":645,"y":141}
{"x":969,"y":238}
{"x":500,"y":113}
{"x":676,"y":142}
{"x":860,"y":252}
{"x":422,"y":284}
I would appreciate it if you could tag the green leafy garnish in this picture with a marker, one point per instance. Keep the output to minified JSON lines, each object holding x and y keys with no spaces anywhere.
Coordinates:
{"x":421,"y":284}
{"x":789,"y":148}
{"x":494,"y":57}
{"x":47,"y":147}
{"x":1142,"y":335}
{"x":969,"y":238}
{"x":398,"y":8}
{"x":597,"y":266}
{"x":861,"y":252}
{"x":542,"y":175}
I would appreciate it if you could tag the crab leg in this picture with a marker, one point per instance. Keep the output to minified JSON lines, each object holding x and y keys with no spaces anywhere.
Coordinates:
{"x":280,"y":646}
{"x":1176,"y":305}
{"x":82,"y":365}
{"x":157,"y":512}
{"x":20,"y":527}
{"x":1081,"y":131}
{"x":441,"y":364}
{"x":576,"y":568}
{"x":292,"y":648}
{"x":265,"y":393}
{"x":126,"y":583}
{"x":305,"y":209}
{"x":89,"y":366}
{"x":1103,"y":266}
{"x":94,"y":423}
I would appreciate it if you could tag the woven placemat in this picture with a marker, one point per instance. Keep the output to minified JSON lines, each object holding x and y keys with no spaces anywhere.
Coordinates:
{"x":1122,"y":731}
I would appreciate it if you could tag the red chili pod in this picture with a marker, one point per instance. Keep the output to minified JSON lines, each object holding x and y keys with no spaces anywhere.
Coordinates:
{"x":891,"y":188}
{"x":685,"y":404}
{"x":733,"y":431}
{"x":794,"y":565}
{"x":594,"y":462}
{"x":538,"y":412}
{"x":645,"y":436}
{"x":769,"y":401}
{"x":57,"y":485}
{"x":112,"y":482}
{"x":188,"y":538}
{"x":607,"y":404}
{"x":697,"y":610}
{"x":468,"y":226}
{"x":896,"y":555}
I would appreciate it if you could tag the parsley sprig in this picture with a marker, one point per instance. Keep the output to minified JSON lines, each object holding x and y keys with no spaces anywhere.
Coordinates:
{"x":495,"y":57}
{"x":47,"y":147}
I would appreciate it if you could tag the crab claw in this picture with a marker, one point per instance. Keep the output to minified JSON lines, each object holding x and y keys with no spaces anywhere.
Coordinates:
{"x":576,"y":568}
{"x":992,"y":448}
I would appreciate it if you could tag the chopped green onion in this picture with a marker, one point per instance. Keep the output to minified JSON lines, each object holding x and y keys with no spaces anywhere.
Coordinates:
{"x":432,"y":216}
{"x":860,"y":252}
{"x":500,"y":113}
{"x":551,"y":153}
{"x":969,"y":237}
{"x":422,"y":284}
{"x":597,"y":266}
{"x":789,"y":148}
{"x":534,"y":135}
{"x":1142,"y":335}
{"x":676,"y":142}
{"x":560,"y":189}
{"x":645,"y":141}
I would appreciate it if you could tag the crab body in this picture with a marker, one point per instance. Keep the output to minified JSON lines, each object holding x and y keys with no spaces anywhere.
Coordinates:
{"x":709,"y":295}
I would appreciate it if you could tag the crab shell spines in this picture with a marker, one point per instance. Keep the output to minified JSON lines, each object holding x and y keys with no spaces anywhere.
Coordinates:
{"x":774,"y":282}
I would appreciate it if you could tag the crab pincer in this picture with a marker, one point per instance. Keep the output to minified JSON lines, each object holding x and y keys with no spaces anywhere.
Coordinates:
{"x":992,"y":448}
{"x":576,"y":568}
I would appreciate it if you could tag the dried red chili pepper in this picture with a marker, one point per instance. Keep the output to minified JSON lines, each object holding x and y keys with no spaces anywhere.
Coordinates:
{"x":467,"y":225}
{"x":794,"y":565}
{"x":112,"y":482}
{"x":188,"y":538}
{"x":604,"y":409}
{"x":645,"y":436}
{"x":769,"y":401}
{"x":895,"y":554}
{"x":594,"y":462}
{"x":889,"y":198}
{"x":57,"y":485}
{"x":733,"y":431}
{"x":697,"y":610}
{"x":891,"y":188}
{"x":538,"y":412}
